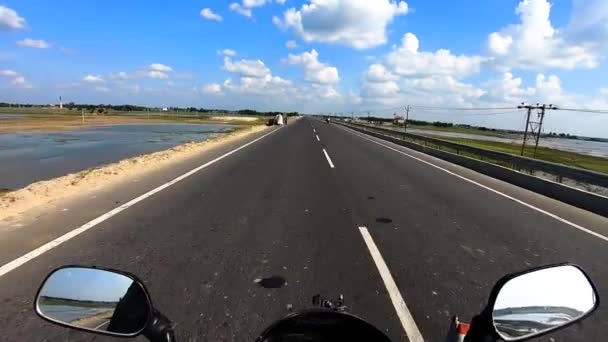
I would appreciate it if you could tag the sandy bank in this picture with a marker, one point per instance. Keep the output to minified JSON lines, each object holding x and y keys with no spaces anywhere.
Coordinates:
{"x":88,"y":181}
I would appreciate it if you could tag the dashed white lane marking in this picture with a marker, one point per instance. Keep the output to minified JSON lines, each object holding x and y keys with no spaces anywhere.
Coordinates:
{"x":58,"y":241}
{"x":319,"y":140}
{"x":542,"y":211}
{"x":328,"y":159}
{"x":406,"y":318}
{"x":314,"y":130}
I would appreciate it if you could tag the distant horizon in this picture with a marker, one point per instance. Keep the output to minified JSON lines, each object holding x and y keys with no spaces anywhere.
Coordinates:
{"x":316,"y":56}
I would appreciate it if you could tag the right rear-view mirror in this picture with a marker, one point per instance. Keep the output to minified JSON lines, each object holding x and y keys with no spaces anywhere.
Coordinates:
{"x":542,"y":300}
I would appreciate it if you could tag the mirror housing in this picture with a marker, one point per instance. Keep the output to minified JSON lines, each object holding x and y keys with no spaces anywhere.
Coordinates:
{"x":512,"y":314}
{"x":94,"y":299}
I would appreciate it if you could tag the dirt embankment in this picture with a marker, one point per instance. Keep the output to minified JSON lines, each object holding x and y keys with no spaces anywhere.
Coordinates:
{"x":87,"y":181}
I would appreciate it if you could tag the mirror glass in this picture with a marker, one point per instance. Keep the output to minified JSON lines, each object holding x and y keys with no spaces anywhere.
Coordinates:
{"x":542,"y":300}
{"x":94,"y":299}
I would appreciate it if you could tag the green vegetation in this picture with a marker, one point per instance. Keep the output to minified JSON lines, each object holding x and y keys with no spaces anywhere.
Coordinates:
{"x":543,"y":153}
{"x":443,"y":126}
{"x":462,"y":129}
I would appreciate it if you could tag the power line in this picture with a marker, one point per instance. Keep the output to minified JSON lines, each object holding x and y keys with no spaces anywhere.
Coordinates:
{"x":595,"y":111}
{"x":463,"y":108}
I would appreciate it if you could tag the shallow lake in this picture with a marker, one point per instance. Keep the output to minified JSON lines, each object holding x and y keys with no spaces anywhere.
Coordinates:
{"x":29,"y":157}
{"x":592,"y":148}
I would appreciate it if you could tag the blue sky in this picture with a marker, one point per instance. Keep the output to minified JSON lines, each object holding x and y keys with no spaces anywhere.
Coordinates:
{"x":87,"y":284}
{"x":346,"y":55}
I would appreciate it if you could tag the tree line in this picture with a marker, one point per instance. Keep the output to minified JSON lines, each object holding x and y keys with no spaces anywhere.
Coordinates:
{"x":101,"y":108}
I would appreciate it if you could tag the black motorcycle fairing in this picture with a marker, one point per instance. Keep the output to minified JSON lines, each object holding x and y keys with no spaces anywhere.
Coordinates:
{"x":321,"y":325}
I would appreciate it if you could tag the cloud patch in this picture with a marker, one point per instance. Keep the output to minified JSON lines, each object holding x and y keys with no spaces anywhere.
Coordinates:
{"x":208,"y":14}
{"x":33,"y":43}
{"x":10,"y":20}
{"x":534,"y":43}
{"x":93,"y":79}
{"x":360,"y":24}
{"x":314,"y":71}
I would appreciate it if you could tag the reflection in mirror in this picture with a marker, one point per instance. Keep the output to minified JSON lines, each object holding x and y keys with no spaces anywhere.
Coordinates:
{"x":94,"y":299}
{"x":542,"y":300}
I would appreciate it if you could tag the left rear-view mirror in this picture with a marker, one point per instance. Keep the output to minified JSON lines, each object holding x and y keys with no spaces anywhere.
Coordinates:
{"x":95,"y":300}
{"x":543,"y":300}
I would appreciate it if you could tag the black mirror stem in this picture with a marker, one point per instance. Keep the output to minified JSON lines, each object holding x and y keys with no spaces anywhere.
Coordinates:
{"x":159,"y":329}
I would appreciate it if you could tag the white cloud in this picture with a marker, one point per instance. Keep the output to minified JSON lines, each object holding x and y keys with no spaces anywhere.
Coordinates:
{"x":291,"y":44}
{"x":244,"y":11}
{"x":121,"y":75}
{"x":18,"y":81}
{"x":246,"y":8}
{"x":33,"y":43}
{"x":407,"y":75}
{"x":604,"y":91}
{"x":407,"y":61}
{"x":508,"y":89}
{"x":212,"y":89}
{"x":160,"y":67}
{"x":10,"y":20}
{"x":247,"y":68}
{"x":534,"y":43}
{"x":9,"y":73}
{"x":380,"y":83}
{"x":21,"y":82}
{"x":208,"y":14}
{"x":377,"y":73}
{"x":314,"y":71}
{"x":255,"y":78}
{"x":227,"y":52}
{"x":360,"y":24}
{"x":93,"y":79}
{"x":158,"y":71}
{"x":156,"y":75}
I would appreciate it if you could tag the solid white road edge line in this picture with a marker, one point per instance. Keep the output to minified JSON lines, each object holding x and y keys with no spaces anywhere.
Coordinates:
{"x":542,"y":211}
{"x":406,"y":318}
{"x":58,"y":241}
{"x":319,"y":140}
{"x":328,"y":159}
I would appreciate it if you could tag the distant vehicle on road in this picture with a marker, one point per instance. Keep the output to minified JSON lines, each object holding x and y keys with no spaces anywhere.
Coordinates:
{"x":278,"y":120}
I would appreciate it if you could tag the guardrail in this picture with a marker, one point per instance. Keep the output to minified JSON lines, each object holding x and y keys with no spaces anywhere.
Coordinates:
{"x":507,"y":168}
{"x":515,"y":162}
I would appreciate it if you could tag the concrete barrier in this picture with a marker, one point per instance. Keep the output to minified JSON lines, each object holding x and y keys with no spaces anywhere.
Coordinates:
{"x":578,"y":198}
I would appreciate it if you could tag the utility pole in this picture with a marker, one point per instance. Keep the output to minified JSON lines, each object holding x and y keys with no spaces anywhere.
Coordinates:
{"x":534,"y":127}
{"x":407,"y":116}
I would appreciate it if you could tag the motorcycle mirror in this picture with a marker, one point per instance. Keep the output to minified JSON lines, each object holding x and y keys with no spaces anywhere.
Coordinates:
{"x":96,"y":300}
{"x":542,"y":300}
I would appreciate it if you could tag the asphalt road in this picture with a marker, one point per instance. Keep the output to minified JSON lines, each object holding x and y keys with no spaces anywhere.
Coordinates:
{"x":278,"y":208}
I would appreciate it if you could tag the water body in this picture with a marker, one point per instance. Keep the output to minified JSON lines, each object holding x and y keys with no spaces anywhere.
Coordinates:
{"x":592,"y":148}
{"x":29,"y":157}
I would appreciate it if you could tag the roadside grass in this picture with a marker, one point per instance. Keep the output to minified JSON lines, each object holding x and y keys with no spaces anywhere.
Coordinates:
{"x":457,"y":129}
{"x":592,"y":163}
